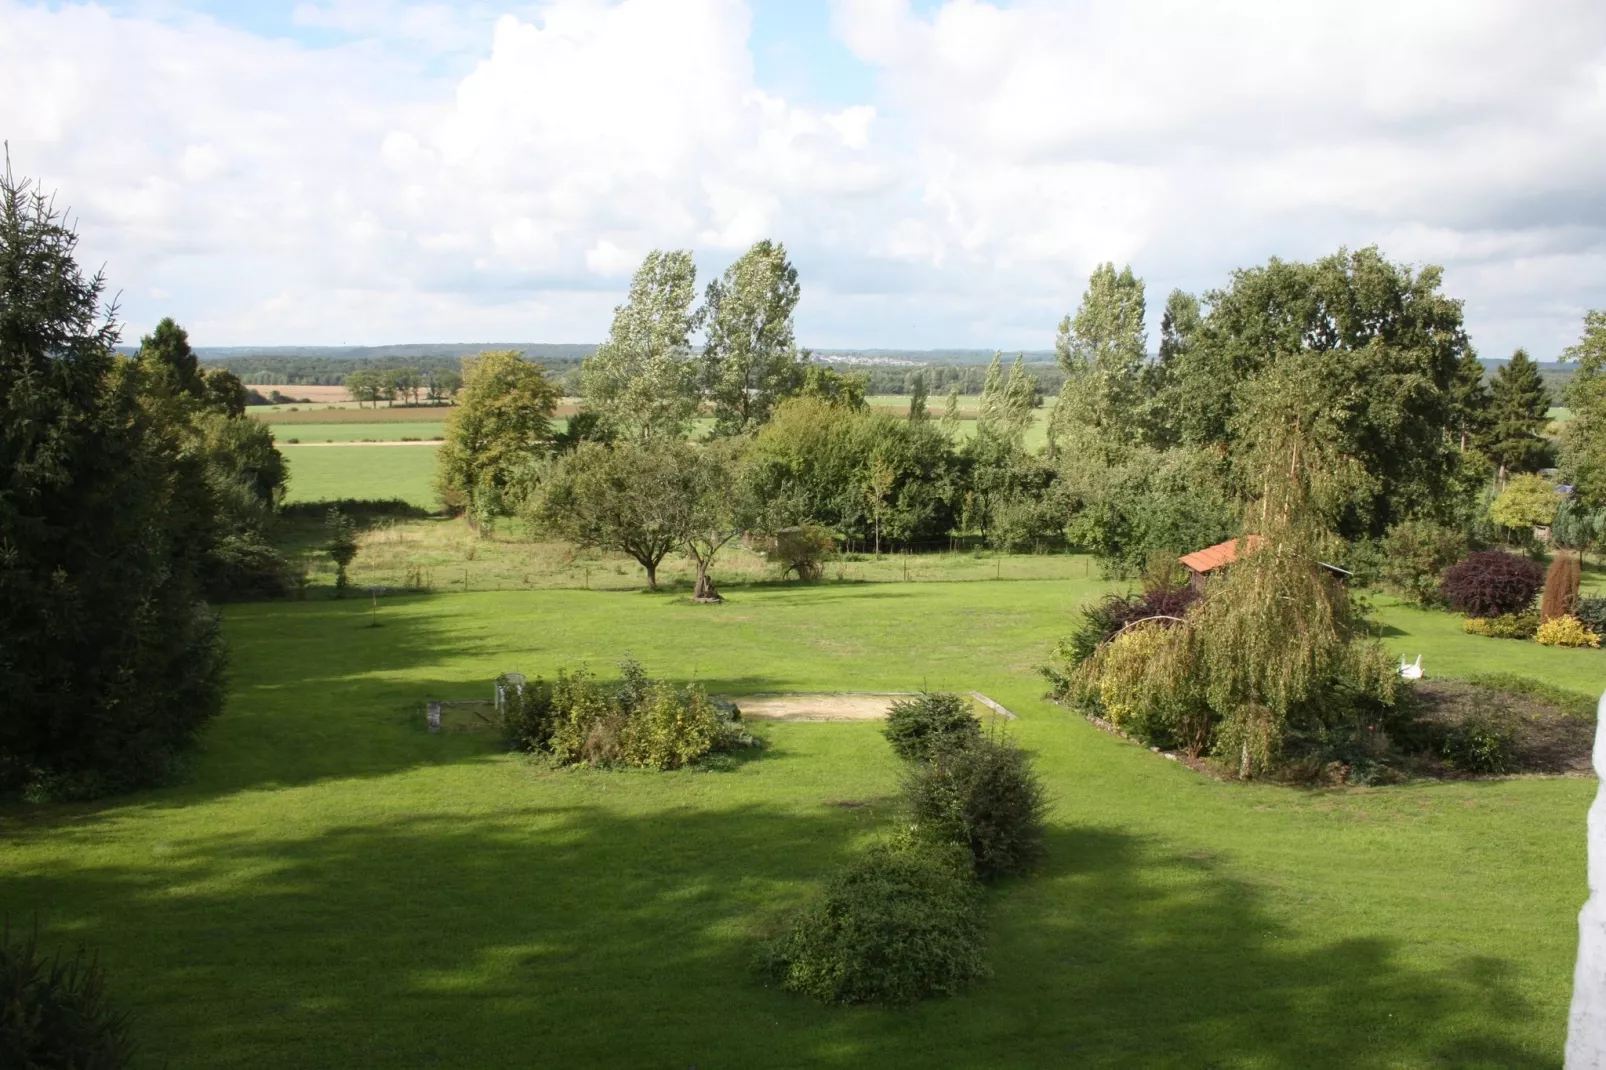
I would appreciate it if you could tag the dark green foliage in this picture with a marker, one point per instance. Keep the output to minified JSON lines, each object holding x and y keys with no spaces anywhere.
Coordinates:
{"x":110,"y":664}
{"x":800,"y":550}
{"x":931,"y":722}
{"x":1011,"y":497}
{"x":984,"y":796}
{"x":54,"y":1012}
{"x":1415,"y":554}
{"x":900,"y":924}
{"x":1491,"y":583}
{"x":858,"y":472}
{"x":527,"y":713}
{"x":1152,"y":504}
{"x":1518,"y":404}
{"x":1469,"y":396}
{"x":367,"y":508}
{"x":1591,"y":609}
{"x":342,"y":544}
{"x":1480,"y":744}
{"x":1377,"y":348}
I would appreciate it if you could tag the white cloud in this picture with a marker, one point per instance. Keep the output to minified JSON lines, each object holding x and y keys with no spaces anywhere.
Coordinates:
{"x":459,"y":172}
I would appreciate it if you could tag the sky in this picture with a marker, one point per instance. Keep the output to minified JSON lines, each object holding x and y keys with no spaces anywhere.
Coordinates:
{"x":943,"y":174}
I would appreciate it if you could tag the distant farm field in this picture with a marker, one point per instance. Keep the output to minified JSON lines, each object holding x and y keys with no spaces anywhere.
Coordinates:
{"x":278,"y":415}
{"x":326,"y":473}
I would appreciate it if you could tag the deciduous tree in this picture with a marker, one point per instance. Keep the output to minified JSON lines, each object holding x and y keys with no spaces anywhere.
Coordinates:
{"x":502,"y":426}
{"x":750,"y":358}
{"x":636,"y":498}
{"x":643,"y":381}
{"x":1103,"y":350}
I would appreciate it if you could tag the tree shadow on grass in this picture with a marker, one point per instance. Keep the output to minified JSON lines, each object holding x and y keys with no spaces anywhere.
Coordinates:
{"x":588,"y":936}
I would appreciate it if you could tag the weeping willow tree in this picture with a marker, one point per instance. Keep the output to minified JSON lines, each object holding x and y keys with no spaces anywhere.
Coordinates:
{"x":1274,"y":643}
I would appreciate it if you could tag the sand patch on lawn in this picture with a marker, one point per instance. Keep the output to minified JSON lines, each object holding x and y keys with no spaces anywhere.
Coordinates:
{"x":821,"y":706}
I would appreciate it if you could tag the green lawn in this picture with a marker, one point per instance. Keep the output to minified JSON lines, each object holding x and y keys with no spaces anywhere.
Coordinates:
{"x":320,"y":473}
{"x":335,"y":887}
{"x":358,"y":432}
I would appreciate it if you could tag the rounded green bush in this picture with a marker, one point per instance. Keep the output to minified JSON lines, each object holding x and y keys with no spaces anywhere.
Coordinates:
{"x":985,"y":798}
{"x":929,"y":722}
{"x":901,"y":924}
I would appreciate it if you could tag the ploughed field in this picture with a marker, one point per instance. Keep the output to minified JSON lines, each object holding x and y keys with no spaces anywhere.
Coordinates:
{"x":334,"y":886}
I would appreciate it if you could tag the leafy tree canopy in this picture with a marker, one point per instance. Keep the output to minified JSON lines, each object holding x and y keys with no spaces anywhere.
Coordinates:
{"x":643,"y":381}
{"x":750,"y":357}
{"x":502,"y":426}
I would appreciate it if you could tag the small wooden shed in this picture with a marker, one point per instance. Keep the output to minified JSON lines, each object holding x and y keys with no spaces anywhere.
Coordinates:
{"x":1202,"y":563}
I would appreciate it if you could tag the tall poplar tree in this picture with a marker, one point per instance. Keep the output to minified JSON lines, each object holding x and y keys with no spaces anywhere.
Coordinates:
{"x":1102,"y":351}
{"x":750,"y":357}
{"x":643,"y":381}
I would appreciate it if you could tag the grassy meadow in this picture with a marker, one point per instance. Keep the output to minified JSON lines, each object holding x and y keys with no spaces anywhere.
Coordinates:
{"x":325,"y":473}
{"x":333,"y":886}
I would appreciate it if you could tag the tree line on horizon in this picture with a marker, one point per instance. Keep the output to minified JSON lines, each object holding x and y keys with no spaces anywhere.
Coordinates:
{"x":1144,"y":455}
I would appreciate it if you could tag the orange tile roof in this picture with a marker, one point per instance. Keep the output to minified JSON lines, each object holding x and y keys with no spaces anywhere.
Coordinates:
{"x":1222,"y":553}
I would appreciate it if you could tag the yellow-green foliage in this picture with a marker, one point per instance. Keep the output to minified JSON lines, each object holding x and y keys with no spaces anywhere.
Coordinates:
{"x":1505,"y":626}
{"x":1566,"y":631}
{"x":1273,"y":641}
{"x":1527,"y":501}
{"x":671,"y":728}
{"x":587,"y":723}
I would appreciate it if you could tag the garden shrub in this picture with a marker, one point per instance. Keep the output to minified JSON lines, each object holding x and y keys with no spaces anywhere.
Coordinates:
{"x":1480,"y":744}
{"x":54,"y":1013}
{"x":527,"y":720}
{"x":800,"y":550}
{"x":1138,"y":685}
{"x":586,"y":721}
{"x":984,"y":797}
{"x":1415,"y":555}
{"x":1491,"y":583}
{"x":1566,"y":631}
{"x":900,"y":924}
{"x":670,"y":728}
{"x":929,"y":722}
{"x":637,"y":721}
{"x":1505,"y":626}
{"x":1096,"y":624}
{"x":1591,"y":609}
{"x":1560,"y":595}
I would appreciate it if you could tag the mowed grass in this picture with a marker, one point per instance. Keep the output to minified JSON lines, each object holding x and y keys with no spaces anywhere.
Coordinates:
{"x":326,"y":473}
{"x":336,"y":887}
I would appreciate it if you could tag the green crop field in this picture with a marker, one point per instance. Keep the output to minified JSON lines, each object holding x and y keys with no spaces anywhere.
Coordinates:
{"x":352,"y":431}
{"x":332,"y":886}
{"x":322,"y":473}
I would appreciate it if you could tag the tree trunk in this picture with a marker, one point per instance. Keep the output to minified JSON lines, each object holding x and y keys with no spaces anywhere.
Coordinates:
{"x":652,"y":574}
{"x":704,"y":590}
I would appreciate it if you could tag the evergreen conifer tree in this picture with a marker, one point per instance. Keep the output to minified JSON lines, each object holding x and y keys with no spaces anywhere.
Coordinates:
{"x":1518,"y":403}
